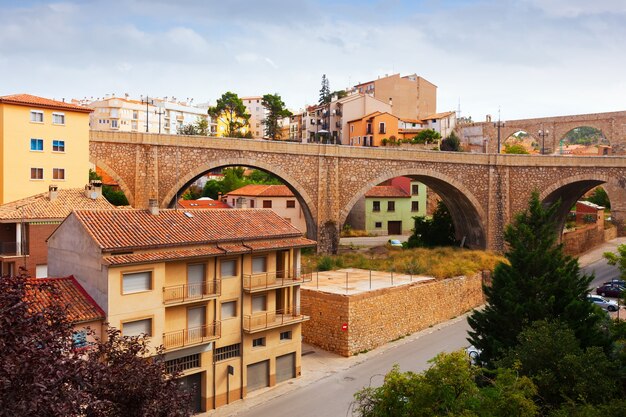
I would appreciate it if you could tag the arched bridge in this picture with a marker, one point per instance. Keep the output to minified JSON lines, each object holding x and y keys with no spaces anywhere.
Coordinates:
{"x":482,"y":191}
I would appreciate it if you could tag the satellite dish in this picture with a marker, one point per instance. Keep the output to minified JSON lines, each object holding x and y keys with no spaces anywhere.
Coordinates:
{"x":94,"y":195}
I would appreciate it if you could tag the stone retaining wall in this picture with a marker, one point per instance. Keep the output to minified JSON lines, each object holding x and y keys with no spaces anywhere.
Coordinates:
{"x":581,"y":240}
{"x":378,"y":317}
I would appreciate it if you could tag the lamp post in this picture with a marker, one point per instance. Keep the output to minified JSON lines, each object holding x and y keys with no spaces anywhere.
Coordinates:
{"x":159,"y":112}
{"x":543,"y":133}
{"x":499,"y":125}
{"x":147,"y":101}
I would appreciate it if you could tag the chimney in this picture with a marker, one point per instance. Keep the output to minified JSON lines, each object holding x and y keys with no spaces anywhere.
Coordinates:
{"x":96,"y":189}
{"x":153,"y":207}
{"x":391,"y":101}
{"x":53,"y":192}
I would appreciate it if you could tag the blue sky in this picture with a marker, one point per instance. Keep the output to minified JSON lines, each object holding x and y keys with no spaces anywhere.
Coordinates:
{"x":528,"y":58}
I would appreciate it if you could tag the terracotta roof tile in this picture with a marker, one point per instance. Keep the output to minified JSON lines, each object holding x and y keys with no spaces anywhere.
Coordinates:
{"x":202,"y":204}
{"x":387,"y":191}
{"x":68,"y":293}
{"x":259,"y":190}
{"x":269,"y":244}
{"x":34,"y":101}
{"x":40,"y":207}
{"x":137,"y":229}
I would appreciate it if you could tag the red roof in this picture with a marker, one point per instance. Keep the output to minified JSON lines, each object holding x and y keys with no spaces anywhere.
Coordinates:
{"x":34,"y":101}
{"x":202,"y":204}
{"x":67,"y":293}
{"x":387,"y":191}
{"x":254,"y":190}
{"x":138,"y":229}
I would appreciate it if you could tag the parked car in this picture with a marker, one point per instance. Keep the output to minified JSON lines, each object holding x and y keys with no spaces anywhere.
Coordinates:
{"x":616,"y":281}
{"x":473,"y":353}
{"x":609,"y":305}
{"x":395,"y":242}
{"x":610,"y":290}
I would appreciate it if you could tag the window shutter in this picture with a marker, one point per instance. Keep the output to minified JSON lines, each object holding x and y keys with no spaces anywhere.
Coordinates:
{"x":135,"y":328}
{"x":137,"y":282}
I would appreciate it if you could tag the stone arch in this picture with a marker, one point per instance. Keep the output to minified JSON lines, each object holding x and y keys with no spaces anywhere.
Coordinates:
{"x":123,"y":186}
{"x":306,"y":202}
{"x":467,"y":212}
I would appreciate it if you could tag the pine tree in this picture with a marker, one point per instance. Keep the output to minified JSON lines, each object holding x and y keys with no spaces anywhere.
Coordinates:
{"x":539,"y":282}
{"x":324,"y":91}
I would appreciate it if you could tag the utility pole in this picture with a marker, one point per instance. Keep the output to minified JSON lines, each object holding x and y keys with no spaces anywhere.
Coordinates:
{"x":499,"y":125}
{"x":159,"y":112}
{"x":148,"y":101}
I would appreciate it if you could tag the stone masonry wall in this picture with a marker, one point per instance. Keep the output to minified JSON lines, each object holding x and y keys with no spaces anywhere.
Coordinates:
{"x":378,"y":317}
{"x":582,"y":240}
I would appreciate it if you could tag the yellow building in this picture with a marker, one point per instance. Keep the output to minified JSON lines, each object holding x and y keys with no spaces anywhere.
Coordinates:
{"x":219,"y":289}
{"x":42,"y":142}
{"x":371,"y":129}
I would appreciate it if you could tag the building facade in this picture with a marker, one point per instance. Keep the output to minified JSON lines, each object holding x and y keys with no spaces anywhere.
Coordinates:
{"x":371,"y":129}
{"x":257,"y":114}
{"x":218,"y":289}
{"x":43,"y":142}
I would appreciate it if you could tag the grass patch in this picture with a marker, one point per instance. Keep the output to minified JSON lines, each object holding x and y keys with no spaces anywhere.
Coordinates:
{"x":438,"y":262}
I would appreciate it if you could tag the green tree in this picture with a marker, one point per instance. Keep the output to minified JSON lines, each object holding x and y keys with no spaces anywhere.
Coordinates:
{"x":515,"y":148}
{"x":340,"y":94}
{"x":325,"y":95}
{"x":212,"y":189}
{"x":261,"y":177}
{"x":276,"y":111}
{"x":618,"y":259}
{"x":231,"y":111}
{"x":538,"y":282}
{"x":113,"y":196}
{"x":452,"y":143}
{"x":426,"y":136}
{"x":435,"y":231}
{"x":600,"y":197}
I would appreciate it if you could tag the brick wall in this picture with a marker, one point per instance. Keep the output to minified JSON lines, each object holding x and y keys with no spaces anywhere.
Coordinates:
{"x":378,"y":317}
{"x":37,"y":246}
{"x":583,"y":239}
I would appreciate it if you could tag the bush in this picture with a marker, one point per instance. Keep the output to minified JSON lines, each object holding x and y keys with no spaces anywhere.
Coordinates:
{"x":325,"y":263}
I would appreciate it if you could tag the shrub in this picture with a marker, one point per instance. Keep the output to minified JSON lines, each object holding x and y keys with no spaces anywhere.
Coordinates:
{"x":325,"y":263}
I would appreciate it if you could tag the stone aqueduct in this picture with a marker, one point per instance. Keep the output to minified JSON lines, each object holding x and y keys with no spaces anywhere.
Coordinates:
{"x":482,"y":191}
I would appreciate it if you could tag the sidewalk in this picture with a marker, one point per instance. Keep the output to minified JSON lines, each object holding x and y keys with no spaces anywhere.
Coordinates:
{"x":595,"y":254}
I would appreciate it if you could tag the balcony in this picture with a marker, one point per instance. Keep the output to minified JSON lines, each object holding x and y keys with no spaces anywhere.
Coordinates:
{"x":13,"y":249}
{"x":265,"y":320}
{"x":277,"y":279}
{"x":187,"y":293}
{"x":190,"y":337}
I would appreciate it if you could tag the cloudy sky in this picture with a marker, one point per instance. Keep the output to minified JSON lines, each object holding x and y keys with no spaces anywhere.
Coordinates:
{"x":528,"y":58}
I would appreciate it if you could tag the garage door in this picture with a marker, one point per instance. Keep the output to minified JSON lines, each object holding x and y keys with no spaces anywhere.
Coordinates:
{"x":394,"y":228}
{"x":193,"y":383}
{"x":285,"y":367}
{"x":258,"y":375}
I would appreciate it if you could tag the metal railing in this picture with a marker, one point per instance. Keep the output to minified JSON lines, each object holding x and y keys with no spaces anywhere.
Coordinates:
{"x":191,"y":292}
{"x":191,"y":336}
{"x":275,"y":279}
{"x":271,"y":319}
{"x":13,"y":248}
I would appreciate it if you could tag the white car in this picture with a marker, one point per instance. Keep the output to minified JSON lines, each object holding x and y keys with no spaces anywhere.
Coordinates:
{"x":605,"y":304}
{"x":473,"y":353}
{"x":395,"y":242}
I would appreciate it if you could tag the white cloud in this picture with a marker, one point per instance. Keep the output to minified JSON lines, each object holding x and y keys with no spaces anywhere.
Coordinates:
{"x":576,"y":8}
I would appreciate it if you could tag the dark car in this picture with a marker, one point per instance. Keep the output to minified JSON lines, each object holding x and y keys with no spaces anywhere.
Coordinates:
{"x":610,"y":290}
{"x":616,"y":281}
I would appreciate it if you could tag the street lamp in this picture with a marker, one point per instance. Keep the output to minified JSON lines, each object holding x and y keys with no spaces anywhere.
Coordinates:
{"x":147,"y":101}
{"x":159,"y":112}
{"x":542,"y":134}
{"x":499,"y":125}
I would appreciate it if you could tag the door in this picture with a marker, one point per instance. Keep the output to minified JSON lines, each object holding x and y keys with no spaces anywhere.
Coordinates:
{"x":193,"y":383}
{"x":196,"y":321}
{"x":280,"y":301}
{"x":195,"y":280}
{"x":285,"y":367}
{"x":258,"y":375}
{"x":280,"y":264}
{"x":394,"y":227}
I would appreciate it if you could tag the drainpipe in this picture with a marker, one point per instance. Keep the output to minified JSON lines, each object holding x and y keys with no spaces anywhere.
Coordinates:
{"x":242,"y":333}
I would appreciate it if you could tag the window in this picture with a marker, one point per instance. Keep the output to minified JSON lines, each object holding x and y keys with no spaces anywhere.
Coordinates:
{"x":351,"y":128}
{"x":227,"y":352}
{"x":378,"y":225}
{"x":58,"y":173}
{"x":369,"y":129}
{"x":267,"y":203}
{"x":381,"y":127}
{"x":285,"y":335}
{"x":228,"y":268}
{"x":36,"y":173}
{"x":251,"y":203}
{"x":36,"y":144}
{"x":376,"y":206}
{"x":258,"y":342}
{"x":415,"y":189}
{"x":259,"y":264}
{"x":291,"y":203}
{"x":391,"y":206}
{"x":113,"y":123}
{"x":259,"y":303}
{"x":58,"y":118}
{"x":135,"y":115}
{"x":229,"y":309}
{"x":36,"y":116}
{"x":182,"y":364}
{"x":415,"y":206}
{"x":136,"y":282}
{"x":79,"y":339}
{"x":133,"y":125}
{"x":135,"y":328}
{"x":58,"y":146}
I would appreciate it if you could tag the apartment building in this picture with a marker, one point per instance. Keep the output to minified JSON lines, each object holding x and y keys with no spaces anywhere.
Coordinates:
{"x":174,"y":114}
{"x":411,"y":96}
{"x":219,"y":289}
{"x":42,"y":142}
{"x":371,"y":129}
{"x":257,"y":114}
{"x":26,"y":224}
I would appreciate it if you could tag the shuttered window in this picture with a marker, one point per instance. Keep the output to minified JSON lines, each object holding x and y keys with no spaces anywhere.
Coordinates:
{"x":135,"y":328}
{"x":228,"y":268}
{"x":259,"y":264}
{"x":136,"y":282}
{"x":229,"y":309}
{"x":259,"y":303}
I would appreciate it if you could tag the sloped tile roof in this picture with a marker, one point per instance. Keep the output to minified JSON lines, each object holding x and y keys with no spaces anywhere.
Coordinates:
{"x":34,"y":101}
{"x":387,"y":191}
{"x":66,"y":292}
{"x":138,"y":229}
{"x":259,"y":190}
{"x":40,"y":207}
{"x":202,"y":204}
{"x":269,"y":244}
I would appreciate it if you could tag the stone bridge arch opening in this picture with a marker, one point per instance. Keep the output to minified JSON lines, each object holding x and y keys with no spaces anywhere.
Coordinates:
{"x":303,"y":198}
{"x":121,"y":184}
{"x":584,"y":140}
{"x":520,"y":141}
{"x":467,"y":213}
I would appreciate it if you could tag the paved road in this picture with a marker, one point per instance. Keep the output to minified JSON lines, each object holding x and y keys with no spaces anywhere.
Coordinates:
{"x":370,"y":240}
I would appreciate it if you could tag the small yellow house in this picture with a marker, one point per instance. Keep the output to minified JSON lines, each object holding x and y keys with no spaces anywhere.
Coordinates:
{"x":42,"y":142}
{"x":219,"y":289}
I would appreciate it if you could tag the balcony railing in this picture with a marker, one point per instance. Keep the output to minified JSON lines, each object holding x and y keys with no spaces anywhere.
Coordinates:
{"x":271,"y":319}
{"x":191,"y":292}
{"x":13,"y":249}
{"x":193,"y":336}
{"x":276,"y":279}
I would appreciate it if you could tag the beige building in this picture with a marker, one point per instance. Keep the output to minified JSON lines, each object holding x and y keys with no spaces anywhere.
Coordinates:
{"x":355,"y":106}
{"x":411,"y":96}
{"x":257,"y":114}
{"x":279,"y":198}
{"x":218,"y":289}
